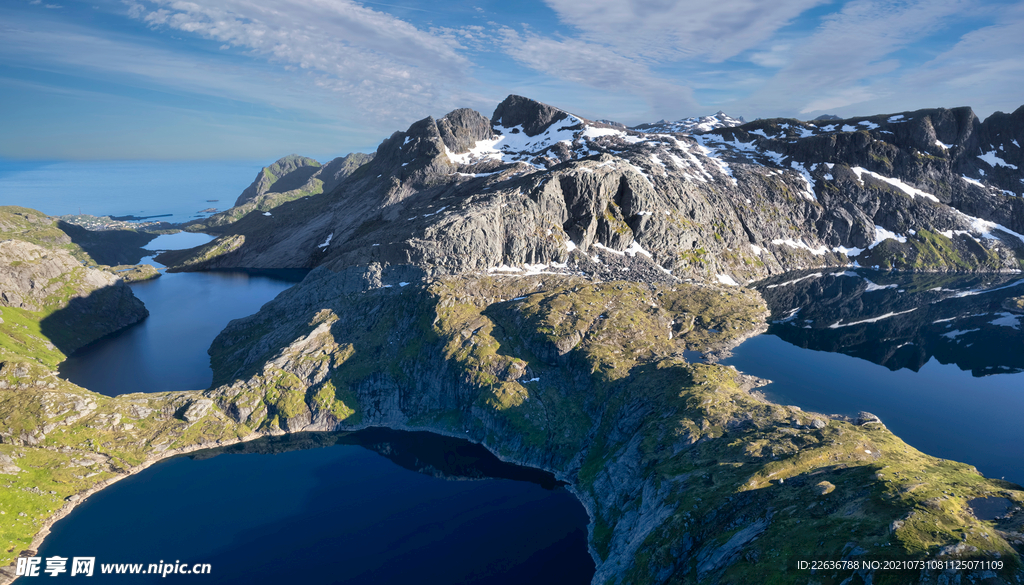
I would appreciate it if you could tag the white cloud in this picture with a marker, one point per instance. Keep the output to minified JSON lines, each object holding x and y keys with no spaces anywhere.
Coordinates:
{"x":849,"y":58}
{"x":594,"y":65}
{"x":983,"y":70}
{"x":371,"y":60}
{"x":69,"y":48}
{"x":673,"y":30}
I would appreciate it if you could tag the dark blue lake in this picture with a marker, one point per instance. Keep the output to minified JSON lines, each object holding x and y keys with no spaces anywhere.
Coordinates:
{"x":373,"y":507}
{"x":167,"y":350}
{"x":938,"y":358}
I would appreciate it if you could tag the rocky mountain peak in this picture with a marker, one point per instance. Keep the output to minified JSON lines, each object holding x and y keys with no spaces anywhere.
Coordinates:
{"x":461,"y":129}
{"x":692,"y":125}
{"x":295,"y":170}
{"x":731,"y":204}
{"x":532,"y":116}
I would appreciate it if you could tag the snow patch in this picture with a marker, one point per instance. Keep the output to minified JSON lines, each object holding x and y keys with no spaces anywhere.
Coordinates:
{"x":912,"y":191}
{"x":726,"y":279}
{"x":882,"y":234}
{"x":794,"y":244}
{"x":871,"y":320}
{"x":972,"y":181}
{"x":806,"y":175}
{"x":993,"y":159}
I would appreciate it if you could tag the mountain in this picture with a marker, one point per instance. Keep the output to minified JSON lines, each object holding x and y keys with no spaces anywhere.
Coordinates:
{"x":968,"y":320}
{"x":693,"y":125}
{"x":291,"y":172}
{"x":932,"y":190}
{"x":534,"y":281}
{"x":288,"y":179}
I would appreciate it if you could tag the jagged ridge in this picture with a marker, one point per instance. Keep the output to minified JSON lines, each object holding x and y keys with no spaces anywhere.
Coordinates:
{"x":535,"y":185}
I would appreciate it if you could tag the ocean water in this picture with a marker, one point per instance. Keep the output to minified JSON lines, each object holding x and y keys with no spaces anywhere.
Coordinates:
{"x":141,"y":188}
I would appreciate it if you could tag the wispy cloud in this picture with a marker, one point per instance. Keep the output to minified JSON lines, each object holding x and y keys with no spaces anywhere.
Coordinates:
{"x":850,"y":58}
{"x":673,"y":30}
{"x":370,"y":60}
{"x":594,"y":65}
{"x":368,"y":68}
{"x":983,"y":70}
{"x":70,"y":49}
{"x":847,"y":54}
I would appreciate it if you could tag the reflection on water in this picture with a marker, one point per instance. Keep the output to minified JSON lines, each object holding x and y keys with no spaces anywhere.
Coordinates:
{"x":902,"y":321}
{"x":281,"y":510}
{"x":939,"y":358}
{"x":427,"y":453}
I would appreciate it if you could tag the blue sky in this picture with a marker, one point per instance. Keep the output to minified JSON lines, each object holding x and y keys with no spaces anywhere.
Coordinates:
{"x":234,"y":79}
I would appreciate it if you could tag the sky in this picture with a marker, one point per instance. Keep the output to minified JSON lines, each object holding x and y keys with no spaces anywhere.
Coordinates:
{"x":247,"y":79}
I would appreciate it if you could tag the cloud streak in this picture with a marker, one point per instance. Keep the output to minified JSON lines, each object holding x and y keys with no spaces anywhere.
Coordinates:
{"x":370,"y":60}
{"x":594,"y":65}
{"x":674,"y":30}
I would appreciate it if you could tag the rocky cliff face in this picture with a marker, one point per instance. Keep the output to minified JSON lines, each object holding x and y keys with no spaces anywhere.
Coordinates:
{"x":692,"y":125}
{"x":293,"y":170}
{"x":56,"y":302}
{"x":534,"y":185}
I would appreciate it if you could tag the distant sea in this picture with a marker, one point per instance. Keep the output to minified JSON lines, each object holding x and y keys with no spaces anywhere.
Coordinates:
{"x":140,"y":188}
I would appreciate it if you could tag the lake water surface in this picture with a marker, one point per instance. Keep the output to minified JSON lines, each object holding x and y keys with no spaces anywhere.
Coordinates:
{"x":167,"y":350}
{"x":374,"y":507}
{"x":937,"y":358}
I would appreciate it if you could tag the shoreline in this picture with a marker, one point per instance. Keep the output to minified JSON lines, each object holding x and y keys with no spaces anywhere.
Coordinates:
{"x":7,"y":575}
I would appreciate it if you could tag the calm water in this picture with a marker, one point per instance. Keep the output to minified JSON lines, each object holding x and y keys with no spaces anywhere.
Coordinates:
{"x":339,"y":514}
{"x":139,"y":188}
{"x":167,"y":350}
{"x":937,"y":358}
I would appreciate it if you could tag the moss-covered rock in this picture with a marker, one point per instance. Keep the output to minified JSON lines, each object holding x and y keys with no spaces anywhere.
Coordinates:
{"x":687,"y":475}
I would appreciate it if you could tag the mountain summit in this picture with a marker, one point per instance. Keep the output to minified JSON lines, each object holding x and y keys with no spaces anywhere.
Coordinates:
{"x":535,"y":185}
